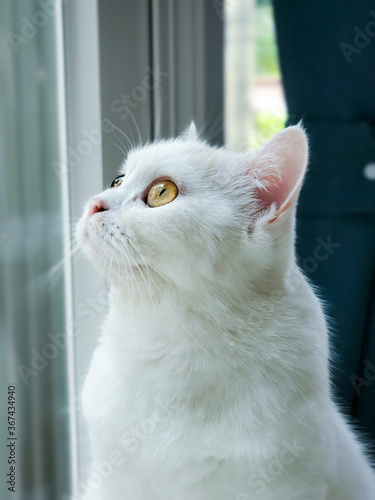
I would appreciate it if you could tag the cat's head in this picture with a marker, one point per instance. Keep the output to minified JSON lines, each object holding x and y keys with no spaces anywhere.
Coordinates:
{"x":196,"y":214}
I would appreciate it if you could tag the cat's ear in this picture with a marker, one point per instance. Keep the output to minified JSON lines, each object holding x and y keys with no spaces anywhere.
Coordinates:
{"x":277,"y":169}
{"x":191,"y":133}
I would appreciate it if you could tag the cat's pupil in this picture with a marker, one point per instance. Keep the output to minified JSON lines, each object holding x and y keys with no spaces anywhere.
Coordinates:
{"x":162,"y":191}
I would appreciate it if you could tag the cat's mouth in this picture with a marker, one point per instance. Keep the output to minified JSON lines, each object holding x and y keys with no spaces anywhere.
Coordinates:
{"x":103,"y":238}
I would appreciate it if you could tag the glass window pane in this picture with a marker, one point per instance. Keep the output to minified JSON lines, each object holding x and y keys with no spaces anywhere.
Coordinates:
{"x":254,"y":102}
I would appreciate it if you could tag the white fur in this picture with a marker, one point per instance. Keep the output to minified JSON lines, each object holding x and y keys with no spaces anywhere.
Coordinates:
{"x":211,"y":379}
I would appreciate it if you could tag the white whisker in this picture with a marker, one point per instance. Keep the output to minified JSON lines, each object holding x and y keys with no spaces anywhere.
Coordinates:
{"x":136,"y":127}
{"x":172,"y":309}
{"x":131,"y":144}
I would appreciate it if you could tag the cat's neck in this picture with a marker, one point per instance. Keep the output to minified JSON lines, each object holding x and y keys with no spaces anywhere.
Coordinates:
{"x":244,"y":322}
{"x":198,"y":348}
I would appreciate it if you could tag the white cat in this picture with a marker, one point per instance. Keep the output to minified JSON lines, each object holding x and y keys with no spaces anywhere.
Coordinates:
{"x":211,"y":378}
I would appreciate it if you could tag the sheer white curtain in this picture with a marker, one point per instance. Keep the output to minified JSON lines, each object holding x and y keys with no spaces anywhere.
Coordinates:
{"x":32,"y":318}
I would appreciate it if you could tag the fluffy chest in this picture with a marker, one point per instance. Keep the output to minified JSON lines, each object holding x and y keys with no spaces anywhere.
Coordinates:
{"x":137,"y":406}
{"x":161,"y":421}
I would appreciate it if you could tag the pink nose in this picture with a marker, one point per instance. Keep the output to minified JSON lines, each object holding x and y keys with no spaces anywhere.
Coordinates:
{"x":96,"y":205}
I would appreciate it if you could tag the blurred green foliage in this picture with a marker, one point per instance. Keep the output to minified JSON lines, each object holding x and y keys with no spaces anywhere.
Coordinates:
{"x":266,"y":125}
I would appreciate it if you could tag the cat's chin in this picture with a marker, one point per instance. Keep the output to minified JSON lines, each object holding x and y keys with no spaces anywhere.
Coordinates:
{"x":87,"y":238}
{"x":87,"y":243}
{"x":96,"y":252}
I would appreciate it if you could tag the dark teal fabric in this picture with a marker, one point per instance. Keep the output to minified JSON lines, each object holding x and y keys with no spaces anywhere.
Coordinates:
{"x":327,"y":57}
{"x":335,"y":181}
{"x":337,"y":254}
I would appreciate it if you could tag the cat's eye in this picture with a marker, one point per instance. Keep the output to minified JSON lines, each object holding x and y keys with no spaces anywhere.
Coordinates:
{"x":117,"y":182}
{"x":161,"y":193}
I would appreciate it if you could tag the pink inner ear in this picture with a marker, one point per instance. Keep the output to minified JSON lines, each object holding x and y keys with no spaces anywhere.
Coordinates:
{"x":276,"y":189}
{"x":280,"y":166}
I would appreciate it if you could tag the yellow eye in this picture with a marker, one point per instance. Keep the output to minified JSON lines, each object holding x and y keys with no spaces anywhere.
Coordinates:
{"x":117,"y":182}
{"x":161,"y":193}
